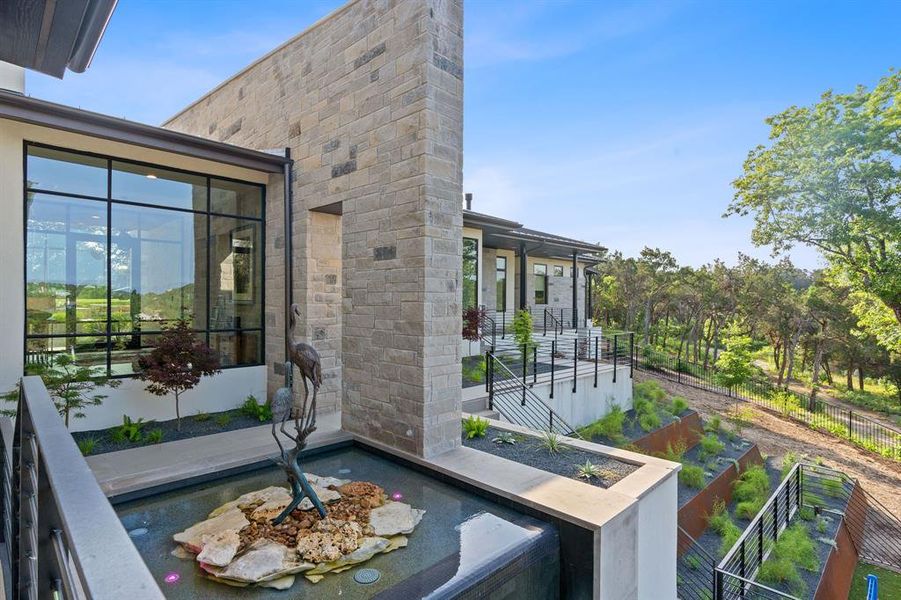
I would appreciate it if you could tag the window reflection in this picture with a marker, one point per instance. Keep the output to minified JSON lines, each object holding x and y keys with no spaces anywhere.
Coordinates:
{"x":67,"y":172}
{"x":470,"y":272}
{"x":233,"y":198}
{"x":155,"y":185}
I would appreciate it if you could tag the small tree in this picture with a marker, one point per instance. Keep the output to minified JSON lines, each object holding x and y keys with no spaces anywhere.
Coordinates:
{"x":522,"y":333}
{"x":176,"y":364}
{"x":72,"y":387}
{"x":734,"y":366}
{"x":473,"y":318}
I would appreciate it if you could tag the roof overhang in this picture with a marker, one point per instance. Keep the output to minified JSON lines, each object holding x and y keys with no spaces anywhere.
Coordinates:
{"x":50,"y":36}
{"x":510,"y":235}
{"x":66,"y":118}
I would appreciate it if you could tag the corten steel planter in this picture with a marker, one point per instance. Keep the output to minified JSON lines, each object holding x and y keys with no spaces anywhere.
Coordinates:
{"x":835,"y":582}
{"x":693,"y":514}
{"x":688,"y":429}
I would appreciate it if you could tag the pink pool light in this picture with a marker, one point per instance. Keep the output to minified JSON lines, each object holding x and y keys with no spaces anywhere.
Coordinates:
{"x":397,"y":496}
{"x":171,"y":578}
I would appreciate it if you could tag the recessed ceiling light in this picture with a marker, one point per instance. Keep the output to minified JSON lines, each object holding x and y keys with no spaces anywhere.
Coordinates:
{"x":151,"y":176}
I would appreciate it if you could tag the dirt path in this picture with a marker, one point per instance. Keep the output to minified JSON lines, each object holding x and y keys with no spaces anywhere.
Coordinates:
{"x":775,"y":436}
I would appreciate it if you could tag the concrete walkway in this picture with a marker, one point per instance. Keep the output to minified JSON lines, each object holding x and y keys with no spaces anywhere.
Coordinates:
{"x":148,"y":466}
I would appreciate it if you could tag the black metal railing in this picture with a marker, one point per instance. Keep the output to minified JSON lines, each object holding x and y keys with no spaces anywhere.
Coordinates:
{"x":516,"y":402}
{"x":695,"y":568}
{"x":555,"y":323}
{"x":61,"y":536}
{"x":820,"y":415}
{"x":874,"y":532}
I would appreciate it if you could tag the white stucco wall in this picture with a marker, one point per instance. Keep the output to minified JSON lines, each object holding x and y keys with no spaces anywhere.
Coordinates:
{"x":220,"y":393}
{"x":658,"y":521}
{"x":588,"y":403}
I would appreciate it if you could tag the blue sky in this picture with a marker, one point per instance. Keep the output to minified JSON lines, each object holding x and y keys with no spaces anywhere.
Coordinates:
{"x":619,"y":123}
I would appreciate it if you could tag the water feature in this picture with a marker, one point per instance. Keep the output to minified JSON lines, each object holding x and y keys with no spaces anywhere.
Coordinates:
{"x":465,"y":546}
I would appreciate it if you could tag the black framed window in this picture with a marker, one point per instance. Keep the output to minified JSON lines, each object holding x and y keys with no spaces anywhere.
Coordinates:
{"x":539,"y":275}
{"x":558,"y":271}
{"x":470,"y":272}
{"x":118,"y":250}
{"x":501,"y":272}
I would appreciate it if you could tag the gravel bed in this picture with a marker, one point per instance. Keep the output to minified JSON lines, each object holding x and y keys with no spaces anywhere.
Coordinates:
{"x":190,"y":427}
{"x":528,"y":451}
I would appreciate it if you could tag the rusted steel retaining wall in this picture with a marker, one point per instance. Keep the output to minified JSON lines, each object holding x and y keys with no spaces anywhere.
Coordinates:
{"x":688,"y":429}
{"x":835,"y":582}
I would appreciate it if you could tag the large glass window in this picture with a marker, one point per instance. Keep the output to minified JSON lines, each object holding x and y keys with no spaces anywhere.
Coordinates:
{"x":117,"y":251}
{"x":470,"y":273}
{"x":540,"y":278}
{"x":501,"y":268}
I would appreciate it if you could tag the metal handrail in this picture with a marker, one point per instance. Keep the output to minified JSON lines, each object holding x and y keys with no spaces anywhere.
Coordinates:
{"x":558,"y":325}
{"x":533,"y":411}
{"x":79,"y":548}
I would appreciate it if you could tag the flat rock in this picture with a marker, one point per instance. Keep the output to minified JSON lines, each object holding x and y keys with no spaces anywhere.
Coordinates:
{"x":394,"y":518}
{"x":192,"y":537}
{"x":219,"y":548}
{"x":270,"y":494}
{"x":318,"y":480}
{"x":282,"y":583}
{"x":369,"y":547}
{"x":265,"y":560}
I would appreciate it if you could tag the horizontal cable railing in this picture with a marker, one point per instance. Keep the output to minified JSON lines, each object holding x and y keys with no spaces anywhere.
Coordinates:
{"x":63,"y":538}
{"x":874,"y":532}
{"x":517,"y":403}
{"x":695,"y":569}
{"x":820,"y":415}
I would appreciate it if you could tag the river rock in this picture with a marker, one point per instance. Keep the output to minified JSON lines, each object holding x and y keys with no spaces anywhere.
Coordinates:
{"x":192,"y":537}
{"x":394,"y":518}
{"x":219,"y":548}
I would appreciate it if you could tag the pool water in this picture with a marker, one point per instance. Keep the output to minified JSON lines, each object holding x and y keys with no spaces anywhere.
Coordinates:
{"x":465,"y":546}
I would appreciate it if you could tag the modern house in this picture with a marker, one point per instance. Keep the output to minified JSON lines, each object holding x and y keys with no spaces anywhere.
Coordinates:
{"x":327,"y":174}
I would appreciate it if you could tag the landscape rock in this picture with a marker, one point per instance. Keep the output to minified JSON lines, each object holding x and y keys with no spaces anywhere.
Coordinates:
{"x":394,"y":518}
{"x":219,"y":548}
{"x":192,"y":537}
{"x":264,"y":560}
{"x":270,"y":494}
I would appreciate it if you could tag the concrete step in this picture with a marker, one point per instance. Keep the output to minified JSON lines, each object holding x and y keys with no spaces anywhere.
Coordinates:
{"x":488,"y":414}
{"x":474,"y":405}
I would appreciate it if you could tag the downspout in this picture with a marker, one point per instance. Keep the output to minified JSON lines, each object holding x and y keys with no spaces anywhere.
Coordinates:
{"x":289,"y":271}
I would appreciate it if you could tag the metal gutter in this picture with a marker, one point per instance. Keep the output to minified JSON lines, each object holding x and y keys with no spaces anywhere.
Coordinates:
{"x":66,"y":118}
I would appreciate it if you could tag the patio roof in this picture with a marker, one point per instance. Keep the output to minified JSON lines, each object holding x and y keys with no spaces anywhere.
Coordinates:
{"x":66,"y":118}
{"x":510,"y":235}
{"x":50,"y":36}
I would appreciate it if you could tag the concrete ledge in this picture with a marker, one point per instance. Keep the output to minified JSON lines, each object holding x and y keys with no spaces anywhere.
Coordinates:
{"x":128,"y":471}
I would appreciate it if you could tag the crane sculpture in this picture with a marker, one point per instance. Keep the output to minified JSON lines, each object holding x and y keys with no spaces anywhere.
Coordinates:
{"x":307,"y":361}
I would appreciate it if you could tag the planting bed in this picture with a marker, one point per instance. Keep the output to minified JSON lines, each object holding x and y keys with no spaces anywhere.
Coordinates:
{"x":529,"y":451}
{"x":228,"y":420}
{"x":685,"y":427}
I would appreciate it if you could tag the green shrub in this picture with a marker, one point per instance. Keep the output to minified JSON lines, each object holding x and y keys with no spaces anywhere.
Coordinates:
{"x":129,"y":431}
{"x":675,"y":452}
{"x":793,"y":550}
{"x":87,"y":445}
{"x":788,"y":462}
{"x":505,"y":437}
{"x":710,"y":446}
{"x":678,"y":406}
{"x":254,"y":410}
{"x":805,"y":513}
{"x":752,"y":489}
{"x":720,"y":521}
{"x":648,"y":390}
{"x":588,"y":470}
{"x":610,"y":427}
{"x":201,"y":416}
{"x":713,"y":424}
{"x":693,"y":562}
{"x":692,"y":476}
{"x":649,"y":421}
{"x":223,"y":419}
{"x":475,"y":427}
{"x":154,"y":436}
{"x":552,"y":442}
{"x":832,"y":487}
{"x":474,"y":370}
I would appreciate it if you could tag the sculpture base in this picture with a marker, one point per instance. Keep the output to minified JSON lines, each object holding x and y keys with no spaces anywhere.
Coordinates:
{"x":238,"y":544}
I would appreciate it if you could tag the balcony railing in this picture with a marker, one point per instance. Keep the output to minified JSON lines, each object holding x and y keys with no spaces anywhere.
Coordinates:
{"x":60,"y":535}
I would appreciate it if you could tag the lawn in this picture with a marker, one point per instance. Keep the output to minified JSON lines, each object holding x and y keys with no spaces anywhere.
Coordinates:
{"x":889,"y":582}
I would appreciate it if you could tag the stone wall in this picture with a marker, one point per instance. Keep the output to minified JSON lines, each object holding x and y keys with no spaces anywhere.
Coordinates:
{"x":370,"y":101}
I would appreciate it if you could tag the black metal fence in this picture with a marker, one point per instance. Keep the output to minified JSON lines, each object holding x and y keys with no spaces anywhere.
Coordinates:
{"x":820,"y":415}
{"x":873,"y":531}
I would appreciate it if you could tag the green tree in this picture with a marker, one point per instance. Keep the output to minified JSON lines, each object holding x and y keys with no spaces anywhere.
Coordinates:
{"x":71,"y":386}
{"x":831,"y":179}
{"x":734,"y":366}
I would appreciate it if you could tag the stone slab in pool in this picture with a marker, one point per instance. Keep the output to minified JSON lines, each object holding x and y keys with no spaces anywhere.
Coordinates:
{"x":464,"y":544}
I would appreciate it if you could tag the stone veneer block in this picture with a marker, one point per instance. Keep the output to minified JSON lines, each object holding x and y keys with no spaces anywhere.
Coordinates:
{"x":370,"y":101}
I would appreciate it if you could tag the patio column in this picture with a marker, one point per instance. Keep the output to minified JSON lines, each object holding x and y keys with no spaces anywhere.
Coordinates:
{"x":588,"y":278}
{"x":522,"y":277}
{"x":575,"y":291}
